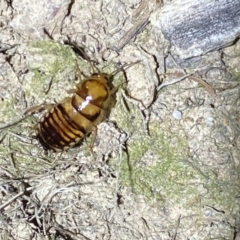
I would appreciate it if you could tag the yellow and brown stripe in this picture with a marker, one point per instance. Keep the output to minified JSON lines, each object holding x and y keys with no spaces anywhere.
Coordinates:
{"x":57,"y":131}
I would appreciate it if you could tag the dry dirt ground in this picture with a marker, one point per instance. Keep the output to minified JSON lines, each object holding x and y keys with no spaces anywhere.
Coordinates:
{"x":166,"y":163}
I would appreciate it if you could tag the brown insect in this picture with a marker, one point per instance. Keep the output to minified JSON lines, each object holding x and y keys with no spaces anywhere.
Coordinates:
{"x":67,"y":122}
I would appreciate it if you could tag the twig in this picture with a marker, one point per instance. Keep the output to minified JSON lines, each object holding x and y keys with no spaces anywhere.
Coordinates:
{"x":11,"y":200}
{"x":172,"y":82}
{"x":190,"y":76}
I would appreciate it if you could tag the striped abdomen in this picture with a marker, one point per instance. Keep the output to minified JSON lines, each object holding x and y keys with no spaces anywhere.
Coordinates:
{"x":66,"y":123}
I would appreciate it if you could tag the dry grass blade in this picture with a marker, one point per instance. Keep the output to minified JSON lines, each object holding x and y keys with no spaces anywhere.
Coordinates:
{"x":11,"y":200}
{"x":183,"y":76}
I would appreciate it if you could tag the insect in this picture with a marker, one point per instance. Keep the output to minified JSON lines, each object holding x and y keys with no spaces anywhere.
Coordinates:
{"x":66,"y":123}
{"x":69,"y":121}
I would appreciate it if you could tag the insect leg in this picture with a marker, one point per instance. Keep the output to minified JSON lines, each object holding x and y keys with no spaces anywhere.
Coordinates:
{"x":123,"y":68}
{"x":25,"y":113}
{"x":72,"y":90}
{"x":78,"y":71}
{"x":145,"y":113}
{"x":39,"y":108}
{"x":94,"y":135}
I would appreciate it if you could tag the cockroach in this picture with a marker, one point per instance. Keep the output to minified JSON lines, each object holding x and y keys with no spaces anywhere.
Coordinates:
{"x":69,"y":121}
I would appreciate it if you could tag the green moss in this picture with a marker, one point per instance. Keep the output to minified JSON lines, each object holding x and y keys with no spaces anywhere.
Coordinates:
{"x":50,"y":62}
{"x":51,"y":55}
{"x":156,"y":169}
{"x":7,"y":109}
{"x":235,"y":74}
{"x":153,"y":167}
{"x":158,"y":166}
{"x":144,"y":36}
{"x":222,"y":194}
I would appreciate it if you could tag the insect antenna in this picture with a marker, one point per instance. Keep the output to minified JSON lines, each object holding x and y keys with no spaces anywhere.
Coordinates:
{"x":123,"y":68}
{"x":80,"y":51}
